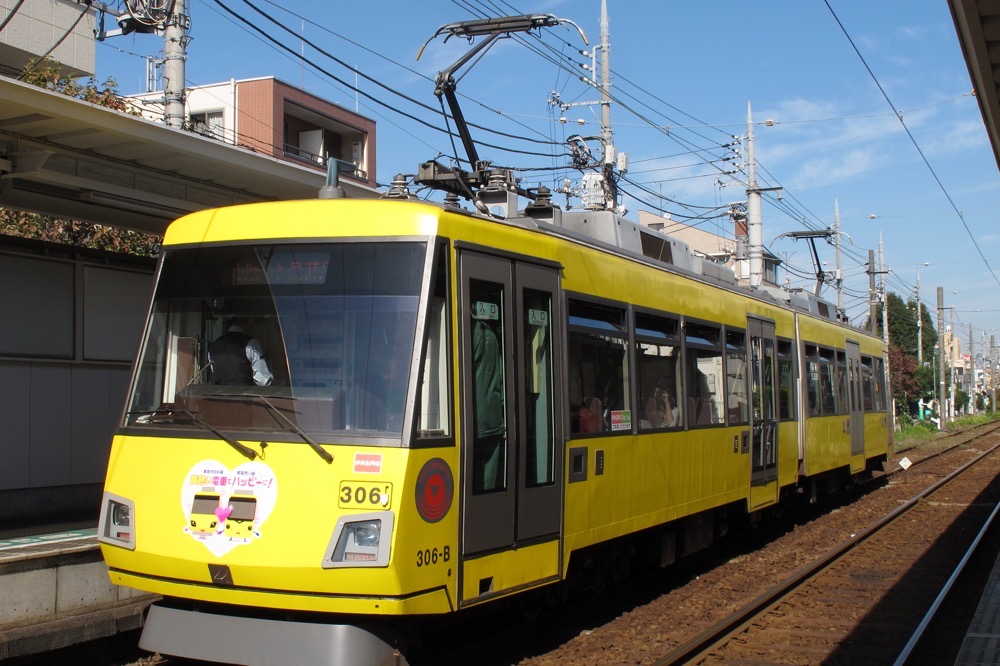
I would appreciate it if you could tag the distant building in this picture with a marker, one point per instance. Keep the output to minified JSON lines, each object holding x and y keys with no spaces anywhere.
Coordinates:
{"x":36,"y":27}
{"x":730,"y":252}
{"x":271,"y":117}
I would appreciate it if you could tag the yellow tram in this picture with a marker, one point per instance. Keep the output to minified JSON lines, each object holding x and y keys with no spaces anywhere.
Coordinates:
{"x":460,"y":408}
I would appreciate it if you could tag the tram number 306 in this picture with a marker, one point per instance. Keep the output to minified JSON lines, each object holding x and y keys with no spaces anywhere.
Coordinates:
{"x":355,"y":494}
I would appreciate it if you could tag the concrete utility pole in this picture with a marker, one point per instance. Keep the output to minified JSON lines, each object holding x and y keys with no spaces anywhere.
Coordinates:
{"x":884,"y":297}
{"x":993,"y":378}
{"x":972,"y":374}
{"x":942,"y":397}
{"x":609,"y":156}
{"x":951,"y":363}
{"x":920,"y":325}
{"x":840,"y":273}
{"x":607,"y":143}
{"x":885,"y":334}
{"x":871,"y":291}
{"x":755,"y":235}
{"x":174,"y":47}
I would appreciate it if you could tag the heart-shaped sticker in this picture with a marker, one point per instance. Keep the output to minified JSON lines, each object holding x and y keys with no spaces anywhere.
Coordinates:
{"x":225,"y":508}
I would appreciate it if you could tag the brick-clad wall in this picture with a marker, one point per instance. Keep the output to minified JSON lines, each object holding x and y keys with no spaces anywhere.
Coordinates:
{"x":260,"y":118}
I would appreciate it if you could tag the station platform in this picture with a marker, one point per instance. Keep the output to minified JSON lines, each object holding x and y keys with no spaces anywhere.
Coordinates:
{"x":982,"y":641}
{"x":55,"y":592}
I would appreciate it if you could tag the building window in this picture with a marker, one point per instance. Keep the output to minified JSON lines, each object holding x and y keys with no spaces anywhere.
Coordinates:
{"x":209,"y":123}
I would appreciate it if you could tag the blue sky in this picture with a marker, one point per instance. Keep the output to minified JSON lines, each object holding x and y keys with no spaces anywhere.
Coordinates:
{"x":682,"y":75}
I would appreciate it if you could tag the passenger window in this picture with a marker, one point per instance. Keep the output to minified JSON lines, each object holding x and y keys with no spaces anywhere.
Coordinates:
{"x":704,"y":373}
{"x":737,"y":407}
{"x":879,"y":386}
{"x":598,"y":369}
{"x":812,"y":380}
{"x":827,"y":390}
{"x":657,"y":357}
{"x":843,"y":404}
{"x":786,"y":381}
{"x":867,"y":384}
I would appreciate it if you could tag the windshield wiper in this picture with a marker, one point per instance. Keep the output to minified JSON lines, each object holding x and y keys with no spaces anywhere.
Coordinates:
{"x":169,"y":411}
{"x":294,"y":427}
{"x":323,"y":453}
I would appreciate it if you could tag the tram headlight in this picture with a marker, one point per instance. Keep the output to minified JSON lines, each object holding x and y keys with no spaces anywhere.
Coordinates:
{"x":116,"y":525}
{"x":361,"y":540}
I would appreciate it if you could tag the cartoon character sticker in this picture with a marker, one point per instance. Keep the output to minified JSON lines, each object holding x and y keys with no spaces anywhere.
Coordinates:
{"x":225,"y":508}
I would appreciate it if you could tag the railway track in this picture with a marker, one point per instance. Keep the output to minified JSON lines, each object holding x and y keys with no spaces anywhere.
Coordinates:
{"x":860,"y":601}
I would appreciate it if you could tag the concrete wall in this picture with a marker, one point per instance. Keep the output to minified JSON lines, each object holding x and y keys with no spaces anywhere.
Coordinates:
{"x":72,"y":322}
{"x":39,"y":25}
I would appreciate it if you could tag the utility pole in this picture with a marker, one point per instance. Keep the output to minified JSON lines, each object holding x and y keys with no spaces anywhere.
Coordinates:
{"x":951,"y":363}
{"x":972,"y":374}
{"x":174,"y":47}
{"x":599,"y":190}
{"x":920,"y":325}
{"x":608,"y":152}
{"x":755,"y":235}
{"x":836,"y":244}
{"x":884,"y":297}
{"x":993,"y":379}
{"x":885,"y":334}
{"x":942,"y":397}
{"x":871,"y":291}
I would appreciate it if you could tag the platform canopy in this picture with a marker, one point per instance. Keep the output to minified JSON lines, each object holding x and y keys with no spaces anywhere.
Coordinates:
{"x":977,"y":23}
{"x":65,"y":157}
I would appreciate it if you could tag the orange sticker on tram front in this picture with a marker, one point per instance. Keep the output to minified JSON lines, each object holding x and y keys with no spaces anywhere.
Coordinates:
{"x":367,"y":463}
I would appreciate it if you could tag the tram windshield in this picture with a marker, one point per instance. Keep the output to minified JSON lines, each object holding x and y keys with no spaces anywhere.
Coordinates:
{"x":295,"y":338}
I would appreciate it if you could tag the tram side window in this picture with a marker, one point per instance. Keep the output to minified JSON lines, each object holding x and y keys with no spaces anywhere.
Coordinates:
{"x":657,"y":354}
{"x":812,"y":380}
{"x":786,"y":381}
{"x":881,"y":401}
{"x":867,"y":384}
{"x":704,"y":372}
{"x":843,"y":401}
{"x":598,"y":369}
{"x":433,"y":413}
{"x":827,"y":390}
{"x":737,"y":407}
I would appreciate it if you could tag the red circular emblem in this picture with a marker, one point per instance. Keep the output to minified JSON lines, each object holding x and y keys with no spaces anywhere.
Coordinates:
{"x":434,"y":491}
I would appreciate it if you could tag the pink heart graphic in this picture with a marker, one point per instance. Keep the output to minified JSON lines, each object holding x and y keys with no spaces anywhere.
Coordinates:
{"x":223,"y":512}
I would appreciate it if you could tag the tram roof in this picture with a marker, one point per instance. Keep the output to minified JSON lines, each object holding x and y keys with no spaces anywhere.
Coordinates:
{"x":65,"y":157}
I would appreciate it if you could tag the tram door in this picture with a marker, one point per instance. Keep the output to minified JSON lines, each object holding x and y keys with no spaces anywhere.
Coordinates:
{"x":763,"y":412}
{"x":857,"y":415}
{"x":511,"y":418}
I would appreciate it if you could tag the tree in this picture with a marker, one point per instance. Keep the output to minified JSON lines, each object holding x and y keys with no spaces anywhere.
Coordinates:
{"x":909,"y":381}
{"x":46,"y":74}
{"x":903,"y":367}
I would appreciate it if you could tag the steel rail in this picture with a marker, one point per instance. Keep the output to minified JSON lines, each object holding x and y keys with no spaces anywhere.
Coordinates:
{"x":945,"y":591}
{"x":718,"y":632}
